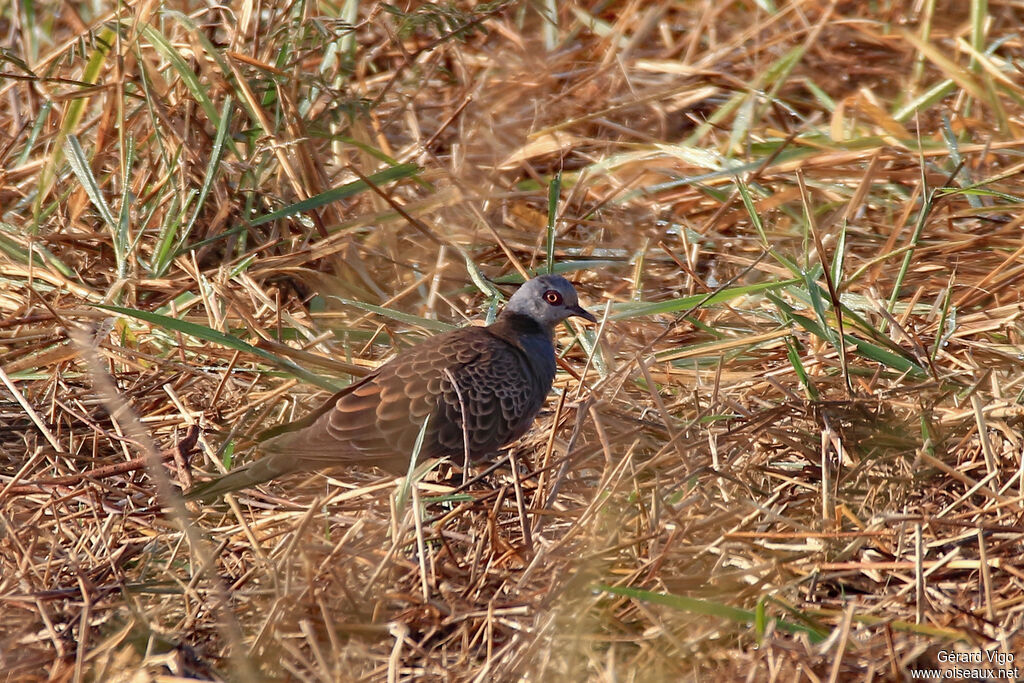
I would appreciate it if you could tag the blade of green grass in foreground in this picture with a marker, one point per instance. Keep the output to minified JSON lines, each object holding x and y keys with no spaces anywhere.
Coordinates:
{"x":80,"y":165}
{"x":801,"y":373}
{"x":164,"y":257}
{"x":347,"y":190}
{"x":211,"y":335}
{"x":406,"y":318}
{"x":180,"y":64}
{"x":416,"y":469}
{"x":560,"y":268}
{"x":864,"y":348}
{"x":626,"y":311}
{"x":554,"y":190}
{"x":41,"y":256}
{"x":73,"y":113}
{"x":714,"y":609}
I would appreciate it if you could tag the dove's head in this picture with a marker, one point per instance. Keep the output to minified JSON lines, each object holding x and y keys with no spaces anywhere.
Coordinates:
{"x":548,"y":299}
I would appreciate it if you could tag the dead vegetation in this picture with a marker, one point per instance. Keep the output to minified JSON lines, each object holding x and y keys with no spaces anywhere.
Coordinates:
{"x":790,"y":451}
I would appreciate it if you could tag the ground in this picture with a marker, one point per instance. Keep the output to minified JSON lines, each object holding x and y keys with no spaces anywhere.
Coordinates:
{"x":789,"y":450}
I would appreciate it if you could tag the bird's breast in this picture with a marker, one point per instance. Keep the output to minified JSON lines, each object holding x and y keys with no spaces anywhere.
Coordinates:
{"x":540,"y":355}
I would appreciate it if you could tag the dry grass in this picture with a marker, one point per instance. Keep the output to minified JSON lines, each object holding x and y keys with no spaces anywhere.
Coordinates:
{"x":737,"y":476}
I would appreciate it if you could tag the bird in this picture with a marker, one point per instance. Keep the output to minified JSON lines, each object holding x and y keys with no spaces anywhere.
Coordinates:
{"x":499,"y":374}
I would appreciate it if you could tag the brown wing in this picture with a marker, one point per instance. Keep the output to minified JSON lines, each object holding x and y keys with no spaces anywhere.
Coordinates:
{"x":501,"y":396}
{"x":376,"y":421}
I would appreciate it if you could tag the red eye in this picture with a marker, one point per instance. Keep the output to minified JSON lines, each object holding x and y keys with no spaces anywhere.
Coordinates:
{"x":553,"y":297}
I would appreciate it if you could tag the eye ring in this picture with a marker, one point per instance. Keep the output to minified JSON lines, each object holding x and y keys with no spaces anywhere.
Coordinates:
{"x":553,"y":297}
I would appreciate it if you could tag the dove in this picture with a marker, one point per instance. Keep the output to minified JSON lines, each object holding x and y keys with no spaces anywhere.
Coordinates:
{"x":481,"y":385}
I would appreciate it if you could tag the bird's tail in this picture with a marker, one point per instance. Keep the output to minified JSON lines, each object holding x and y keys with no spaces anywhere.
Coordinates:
{"x":257,"y":472}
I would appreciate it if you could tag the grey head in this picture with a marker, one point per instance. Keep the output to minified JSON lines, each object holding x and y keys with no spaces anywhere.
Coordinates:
{"x":548,"y":300}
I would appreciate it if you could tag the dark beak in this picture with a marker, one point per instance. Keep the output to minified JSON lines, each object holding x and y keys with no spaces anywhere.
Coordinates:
{"x":580,"y":312}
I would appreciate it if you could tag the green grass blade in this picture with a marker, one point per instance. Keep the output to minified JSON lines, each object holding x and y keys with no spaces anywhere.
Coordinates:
{"x":184,"y":70}
{"x":80,"y":166}
{"x":407,"y":318}
{"x":626,"y":311}
{"x":711,"y":609}
{"x":212,"y":165}
{"x":347,"y":190}
{"x":924,"y":101}
{"x":922,"y":219}
{"x":169,"y":235}
{"x":554,"y":191}
{"x":801,"y":372}
{"x":948,"y":313}
{"x":72,"y":117}
{"x":410,"y":479}
{"x":839,"y":258}
{"x":864,"y":348}
{"x":560,"y":268}
{"x":41,"y":255}
{"x":211,"y":335}
{"x":755,"y":219}
{"x":118,"y":228}
{"x":33,"y":136}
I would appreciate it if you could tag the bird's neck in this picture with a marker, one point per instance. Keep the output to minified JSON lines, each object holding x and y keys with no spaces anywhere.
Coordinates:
{"x":513,"y":327}
{"x":536,"y":342}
